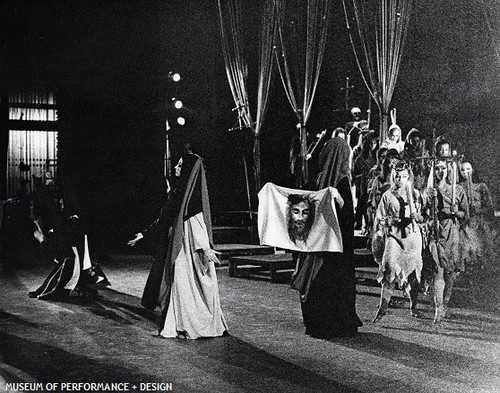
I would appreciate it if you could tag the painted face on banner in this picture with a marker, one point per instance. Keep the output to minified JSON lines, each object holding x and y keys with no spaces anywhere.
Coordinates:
{"x":300,"y":213}
{"x":300,"y":216}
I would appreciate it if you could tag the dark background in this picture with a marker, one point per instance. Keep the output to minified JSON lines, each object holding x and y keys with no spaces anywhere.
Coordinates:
{"x":108,"y":62}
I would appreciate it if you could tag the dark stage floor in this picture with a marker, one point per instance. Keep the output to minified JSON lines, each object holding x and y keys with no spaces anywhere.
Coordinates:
{"x":111,"y":339}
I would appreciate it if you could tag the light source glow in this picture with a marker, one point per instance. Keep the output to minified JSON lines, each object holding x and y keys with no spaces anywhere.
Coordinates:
{"x":181,"y":121}
{"x":174,"y":76}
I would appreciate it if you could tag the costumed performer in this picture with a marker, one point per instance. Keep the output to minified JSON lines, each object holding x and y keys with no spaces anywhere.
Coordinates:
{"x":398,"y":233}
{"x":450,"y":206}
{"x":183,"y":280}
{"x":482,"y":239}
{"x":63,"y":242}
{"x":326,"y":280}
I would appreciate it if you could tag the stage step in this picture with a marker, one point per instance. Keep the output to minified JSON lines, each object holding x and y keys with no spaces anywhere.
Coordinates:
{"x":267,"y":266}
{"x":360,"y":241}
{"x":238,"y":249}
{"x":363,"y":258}
{"x":232,"y":234}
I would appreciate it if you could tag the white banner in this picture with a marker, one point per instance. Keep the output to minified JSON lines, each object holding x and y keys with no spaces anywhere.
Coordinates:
{"x":299,"y":220}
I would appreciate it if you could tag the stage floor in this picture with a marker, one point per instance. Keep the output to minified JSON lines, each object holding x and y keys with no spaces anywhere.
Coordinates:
{"x":111,"y":339}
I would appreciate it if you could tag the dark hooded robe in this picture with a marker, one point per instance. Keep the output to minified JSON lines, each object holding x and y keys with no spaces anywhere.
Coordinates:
{"x":326,"y":280}
{"x":66,"y":246}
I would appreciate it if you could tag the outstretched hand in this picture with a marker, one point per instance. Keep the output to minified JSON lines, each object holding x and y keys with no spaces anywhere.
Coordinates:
{"x":210,"y":255}
{"x":138,"y":236}
{"x":39,"y":236}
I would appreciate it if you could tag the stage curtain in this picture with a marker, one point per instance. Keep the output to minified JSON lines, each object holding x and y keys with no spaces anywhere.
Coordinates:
{"x":230,"y":21}
{"x":491,"y":12}
{"x":377,"y":30}
{"x":299,"y":52}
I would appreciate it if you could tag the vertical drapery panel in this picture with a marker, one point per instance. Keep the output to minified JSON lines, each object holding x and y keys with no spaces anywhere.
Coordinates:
{"x":300,"y":48}
{"x":491,"y":12}
{"x":377,"y":30}
{"x":230,"y":16}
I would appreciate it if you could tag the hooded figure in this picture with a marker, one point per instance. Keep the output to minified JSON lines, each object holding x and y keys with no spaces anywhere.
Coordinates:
{"x":182,"y":280}
{"x":326,"y":280}
{"x":63,"y":242}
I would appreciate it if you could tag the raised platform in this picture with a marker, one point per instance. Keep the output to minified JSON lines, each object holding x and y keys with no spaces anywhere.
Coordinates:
{"x":236,"y":249}
{"x":267,"y":266}
{"x":254,"y":260}
{"x":364,"y":258}
{"x":232,"y":234}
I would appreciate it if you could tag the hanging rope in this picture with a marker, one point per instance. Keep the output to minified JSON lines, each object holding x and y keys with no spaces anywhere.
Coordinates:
{"x":236,"y":68}
{"x":230,"y":14}
{"x":378,"y":46}
{"x":299,"y":54}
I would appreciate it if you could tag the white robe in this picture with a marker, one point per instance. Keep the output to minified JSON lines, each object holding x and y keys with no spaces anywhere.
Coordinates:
{"x":194,"y":309}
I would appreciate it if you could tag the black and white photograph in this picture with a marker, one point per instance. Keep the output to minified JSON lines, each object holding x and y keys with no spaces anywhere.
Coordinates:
{"x":250,"y":196}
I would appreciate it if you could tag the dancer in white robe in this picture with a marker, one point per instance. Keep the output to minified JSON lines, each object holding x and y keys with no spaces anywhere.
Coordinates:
{"x":183,"y":280}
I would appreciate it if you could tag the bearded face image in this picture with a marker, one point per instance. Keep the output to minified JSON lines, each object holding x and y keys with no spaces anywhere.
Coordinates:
{"x":300,"y":217}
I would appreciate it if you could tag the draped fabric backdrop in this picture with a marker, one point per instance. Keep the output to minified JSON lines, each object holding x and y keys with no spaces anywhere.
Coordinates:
{"x":230,"y":17}
{"x":491,"y":12}
{"x":300,"y":47}
{"x":377,"y":30}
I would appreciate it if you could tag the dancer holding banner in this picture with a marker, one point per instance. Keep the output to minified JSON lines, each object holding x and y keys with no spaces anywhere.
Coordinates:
{"x":325,"y":276}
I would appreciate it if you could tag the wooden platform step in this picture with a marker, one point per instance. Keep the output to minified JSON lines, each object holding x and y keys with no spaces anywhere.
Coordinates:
{"x":228,"y":250}
{"x":267,"y":266}
{"x":360,"y":241}
{"x":364,"y":258}
{"x":232,"y":234}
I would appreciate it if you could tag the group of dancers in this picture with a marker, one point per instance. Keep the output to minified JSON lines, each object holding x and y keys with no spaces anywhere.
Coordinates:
{"x":427,"y":219}
{"x":425,"y":216}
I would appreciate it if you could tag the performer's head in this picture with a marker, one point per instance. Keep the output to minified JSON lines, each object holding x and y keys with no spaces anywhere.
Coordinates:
{"x":300,"y":216}
{"x":178,"y":168}
{"x":394,"y":133}
{"x":413,"y":139}
{"x":466,"y":170}
{"x":370,"y":141}
{"x":356,"y":113}
{"x":340,"y":132}
{"x":391,"y":157}
{"x":381,"y":153}
{"x":401,"y":174}
{"x":443,"y":148}
{"x":441,"y":169}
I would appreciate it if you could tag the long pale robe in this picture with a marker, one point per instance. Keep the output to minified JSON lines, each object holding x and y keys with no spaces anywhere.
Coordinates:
{"x":194,"y":309}
{"x":398,"y":263}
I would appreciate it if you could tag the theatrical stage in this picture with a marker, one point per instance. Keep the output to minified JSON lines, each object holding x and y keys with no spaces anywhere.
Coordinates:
{"x":111,"y":339}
